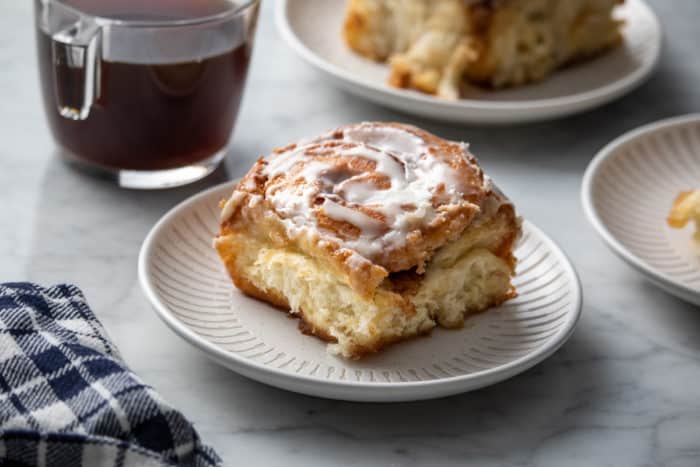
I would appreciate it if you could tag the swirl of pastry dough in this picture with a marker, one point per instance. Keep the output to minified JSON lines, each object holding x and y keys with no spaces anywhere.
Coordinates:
{"x":388,"y":192}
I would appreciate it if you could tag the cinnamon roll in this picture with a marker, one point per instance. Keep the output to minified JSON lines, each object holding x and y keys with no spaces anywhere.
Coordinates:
{"x":438,"y":46}
{"x":370,"y":234}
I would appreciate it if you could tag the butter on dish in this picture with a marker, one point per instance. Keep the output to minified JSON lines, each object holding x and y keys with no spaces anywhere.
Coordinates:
{"x":370,"y":234}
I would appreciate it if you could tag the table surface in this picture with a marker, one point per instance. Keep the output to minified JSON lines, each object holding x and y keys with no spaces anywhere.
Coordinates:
{"x":624,"y":391}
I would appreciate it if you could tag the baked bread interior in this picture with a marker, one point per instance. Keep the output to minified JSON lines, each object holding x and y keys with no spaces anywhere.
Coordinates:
{"x":370,"y":234}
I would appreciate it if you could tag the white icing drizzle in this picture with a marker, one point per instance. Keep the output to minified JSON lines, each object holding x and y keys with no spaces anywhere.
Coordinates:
{"x":400,"y":157}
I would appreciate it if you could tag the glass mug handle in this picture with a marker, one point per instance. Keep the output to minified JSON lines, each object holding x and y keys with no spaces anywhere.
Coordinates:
{"x":75,"y":53}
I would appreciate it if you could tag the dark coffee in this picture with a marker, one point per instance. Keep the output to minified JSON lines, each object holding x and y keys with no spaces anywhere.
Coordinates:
{"x":149,"y":117}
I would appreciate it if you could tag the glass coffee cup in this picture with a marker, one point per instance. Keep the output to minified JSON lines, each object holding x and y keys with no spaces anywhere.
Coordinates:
{"x":144,"y":91}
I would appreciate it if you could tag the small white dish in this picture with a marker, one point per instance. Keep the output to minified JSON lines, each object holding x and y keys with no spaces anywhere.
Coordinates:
{"x":182,"y":277}
{"x":628,"y":190}
{"x":568,"y":91}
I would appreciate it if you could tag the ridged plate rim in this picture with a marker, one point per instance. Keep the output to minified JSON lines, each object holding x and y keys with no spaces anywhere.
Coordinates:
{"x":594,"y":170}
{"x":374,"y":391}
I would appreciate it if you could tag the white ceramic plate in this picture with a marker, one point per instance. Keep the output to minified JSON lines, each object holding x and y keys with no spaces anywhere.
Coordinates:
{"x":568,"y":91}
{"x":628,"y":190}
{"x":190,"y":290}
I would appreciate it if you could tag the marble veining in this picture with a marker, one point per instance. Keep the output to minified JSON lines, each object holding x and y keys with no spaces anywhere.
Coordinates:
{"x":624,"y":391}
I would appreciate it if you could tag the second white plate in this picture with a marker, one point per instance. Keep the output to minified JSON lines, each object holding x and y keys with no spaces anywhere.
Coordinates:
{"x":313,"y":29}
{"x":628,"y":190}
{"x":190,"y":290}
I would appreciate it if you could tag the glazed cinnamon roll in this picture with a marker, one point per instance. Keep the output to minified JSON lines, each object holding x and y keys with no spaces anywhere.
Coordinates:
{"x":370,"y":234}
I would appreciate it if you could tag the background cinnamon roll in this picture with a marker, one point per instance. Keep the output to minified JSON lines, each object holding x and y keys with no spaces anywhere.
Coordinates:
{"x":370,"y":234}
{"x":438,"y":46}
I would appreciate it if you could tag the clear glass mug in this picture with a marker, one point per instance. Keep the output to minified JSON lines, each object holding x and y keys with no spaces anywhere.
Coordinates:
{"x":146,"y":91}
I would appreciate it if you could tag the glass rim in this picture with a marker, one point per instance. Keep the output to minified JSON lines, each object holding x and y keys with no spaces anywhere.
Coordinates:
{"x":224,"y":15}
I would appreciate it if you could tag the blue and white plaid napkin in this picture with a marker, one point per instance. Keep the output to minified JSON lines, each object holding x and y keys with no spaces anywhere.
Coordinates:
{"x":68,"y":399}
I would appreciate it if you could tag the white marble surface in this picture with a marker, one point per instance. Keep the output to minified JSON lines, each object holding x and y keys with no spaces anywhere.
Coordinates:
{"x":625,"y":390}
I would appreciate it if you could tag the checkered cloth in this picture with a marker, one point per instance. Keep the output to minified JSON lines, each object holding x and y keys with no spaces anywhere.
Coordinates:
{"x":68,"y":399}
